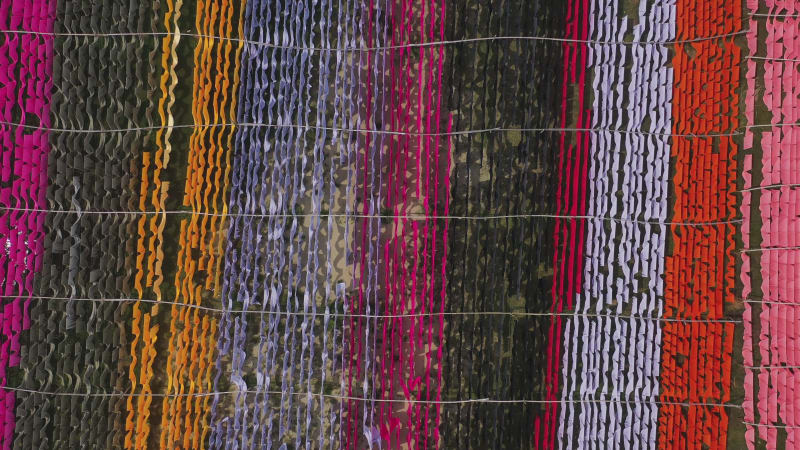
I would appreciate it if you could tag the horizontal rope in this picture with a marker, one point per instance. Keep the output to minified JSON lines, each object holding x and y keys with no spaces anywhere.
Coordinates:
{"x":772,"y":58}
{"x":738,"y":132}
{"x":373,"y":316}
{"x":771,"y":186}
{"x":771,"y":15}
{"x":769,"y":302}
{"x":377,"y":400}
{"x":365,"y":130}
{"x":770,"y":125}
{"x":375,"y":48}
{"x":769,"y":425}
{"x":766,"y":249}
{"x":771,"y":367}
{"x":367,"y":216}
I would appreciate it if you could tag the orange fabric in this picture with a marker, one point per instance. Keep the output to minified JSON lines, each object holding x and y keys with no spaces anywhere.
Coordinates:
{"x":150,"y":254}
{"x":149,"y":246}
{"x":137,"y":423}
{"x":192,"y":333}
{"x":696,"y":357}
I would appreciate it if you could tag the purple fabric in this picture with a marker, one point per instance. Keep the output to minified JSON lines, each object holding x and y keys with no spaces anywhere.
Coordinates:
{"x":283,"y":262}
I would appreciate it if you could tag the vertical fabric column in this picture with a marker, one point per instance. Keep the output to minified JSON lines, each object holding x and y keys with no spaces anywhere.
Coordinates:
{"x":192,"y":331}
{"x":613,"y":343}
{"x":88,"y":256}
{"x":699,"y":277}
{"x":359,"y":422}
{"x":145,"y":324}
{"x":415,"y":255}
{"x":771,"y":226}
{"x":507,"y":105}
{"x":290,"y":254}
{"x":26,"y":68}
{"x":570,"y":230}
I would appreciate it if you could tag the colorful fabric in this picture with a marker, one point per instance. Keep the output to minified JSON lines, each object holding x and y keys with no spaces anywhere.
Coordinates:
{"x":398,"y":224}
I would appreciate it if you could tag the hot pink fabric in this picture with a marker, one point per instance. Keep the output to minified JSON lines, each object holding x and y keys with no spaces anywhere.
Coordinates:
{"x":569,"y":234}
{"x":26,"y":62}
{"x":415,"y":254}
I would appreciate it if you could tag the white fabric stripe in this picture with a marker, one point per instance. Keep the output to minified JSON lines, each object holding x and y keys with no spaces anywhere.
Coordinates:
{"x":631,"y":88}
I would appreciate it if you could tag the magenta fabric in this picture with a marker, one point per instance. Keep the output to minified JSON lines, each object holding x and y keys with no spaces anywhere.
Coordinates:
{"x":26,"y":62}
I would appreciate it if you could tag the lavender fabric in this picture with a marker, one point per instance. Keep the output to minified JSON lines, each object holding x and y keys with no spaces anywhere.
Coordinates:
{"x":612,"y":358}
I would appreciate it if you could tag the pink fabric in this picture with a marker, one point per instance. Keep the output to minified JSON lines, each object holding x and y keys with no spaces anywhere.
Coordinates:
{"x":569,"y":234}
{"x":771,"y":396}
{"x":416,"y":252}
{"x":26,"y":78}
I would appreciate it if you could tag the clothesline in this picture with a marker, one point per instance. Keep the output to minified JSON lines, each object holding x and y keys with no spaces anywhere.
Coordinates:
{"x":737,"y":132}
{"x":374,"y":48}
{"x":376,"y":400}
{"x":365,"y":130}
{"x":377,"y":316}
{"x":371,"y":216}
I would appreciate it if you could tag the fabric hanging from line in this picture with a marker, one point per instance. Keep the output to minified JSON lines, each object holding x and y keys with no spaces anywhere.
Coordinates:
{"x":769,"y":210}
{"x":397,"y":223}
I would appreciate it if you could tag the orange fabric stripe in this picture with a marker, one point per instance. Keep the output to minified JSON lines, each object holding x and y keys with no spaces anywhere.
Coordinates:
{"x":696,"y":357}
